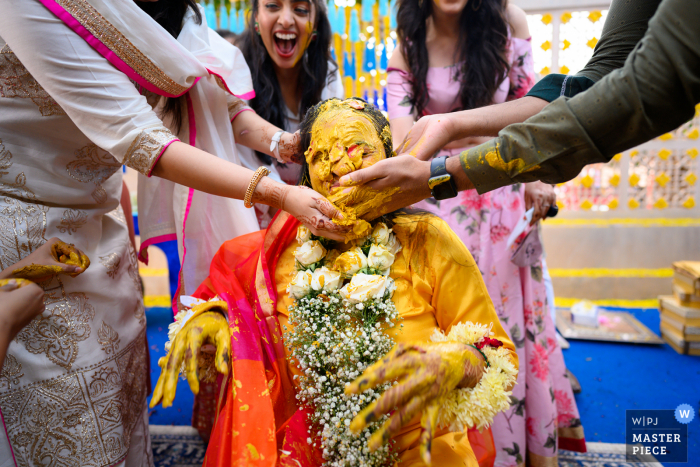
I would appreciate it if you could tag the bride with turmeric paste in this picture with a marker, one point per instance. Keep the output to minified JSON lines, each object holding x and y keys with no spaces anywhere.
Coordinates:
{"x":367,"y":352}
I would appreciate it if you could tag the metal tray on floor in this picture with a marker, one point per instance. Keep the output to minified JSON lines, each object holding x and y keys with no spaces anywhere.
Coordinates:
{"x":616,"y":326}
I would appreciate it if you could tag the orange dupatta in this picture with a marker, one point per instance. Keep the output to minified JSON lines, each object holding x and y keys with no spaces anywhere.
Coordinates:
{"x":259,"y":416}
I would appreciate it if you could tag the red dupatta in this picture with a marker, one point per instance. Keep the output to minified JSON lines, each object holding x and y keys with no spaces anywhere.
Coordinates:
{"x":259,"y":417}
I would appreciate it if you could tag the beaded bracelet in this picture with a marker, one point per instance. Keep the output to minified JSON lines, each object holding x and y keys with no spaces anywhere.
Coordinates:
{"x":482,"y":354}
{"x":259,"y":174}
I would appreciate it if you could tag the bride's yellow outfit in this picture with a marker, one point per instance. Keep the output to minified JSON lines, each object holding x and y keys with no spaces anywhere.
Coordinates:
{"x":438,"y":285}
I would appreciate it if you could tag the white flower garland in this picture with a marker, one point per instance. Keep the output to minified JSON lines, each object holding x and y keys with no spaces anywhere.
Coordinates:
{"x":476,"y":407}
{"x":338,"y":331}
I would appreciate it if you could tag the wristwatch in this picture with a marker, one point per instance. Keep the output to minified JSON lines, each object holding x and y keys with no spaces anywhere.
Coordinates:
{"x":441,"y":183}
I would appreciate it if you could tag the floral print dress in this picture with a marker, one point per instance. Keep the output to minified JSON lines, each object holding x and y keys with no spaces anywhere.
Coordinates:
{"x":543,"y":416}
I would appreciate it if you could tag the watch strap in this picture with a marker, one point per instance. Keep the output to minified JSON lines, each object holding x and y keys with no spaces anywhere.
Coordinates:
{"x":441,"y":183}
{"x":275,"y":145}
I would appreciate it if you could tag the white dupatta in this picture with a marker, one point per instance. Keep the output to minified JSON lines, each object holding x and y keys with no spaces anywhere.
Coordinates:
{"x":200,"y":222}
{"x":207,"y":66}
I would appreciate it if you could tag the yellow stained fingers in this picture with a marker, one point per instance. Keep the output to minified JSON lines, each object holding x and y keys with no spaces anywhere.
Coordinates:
{"x":67,"y":253}
{"x":172,"y":371}
{"x":428,"y":427}
{"x":195,"y":339}
{"x":398,"y":420}
{"x":209,"y":327}
{"x":389,"y":368}
{"x":392,"y":398}
{"x":223,"y":350}
{"x":157,"y":392}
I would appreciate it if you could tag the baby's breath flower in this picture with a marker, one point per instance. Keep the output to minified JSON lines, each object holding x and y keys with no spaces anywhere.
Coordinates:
{"x":333,"y":340}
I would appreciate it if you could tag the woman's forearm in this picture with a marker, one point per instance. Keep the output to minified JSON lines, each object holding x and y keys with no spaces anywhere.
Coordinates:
{"x":194,"y":168}
{"x":489,"y":120}
{"x":252,"y":131}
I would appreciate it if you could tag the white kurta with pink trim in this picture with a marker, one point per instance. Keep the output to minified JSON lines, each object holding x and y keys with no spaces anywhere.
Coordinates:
{"x":74,"y":385}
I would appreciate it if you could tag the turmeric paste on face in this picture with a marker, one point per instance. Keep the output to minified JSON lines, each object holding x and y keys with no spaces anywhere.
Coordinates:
{"x":343,"y":140}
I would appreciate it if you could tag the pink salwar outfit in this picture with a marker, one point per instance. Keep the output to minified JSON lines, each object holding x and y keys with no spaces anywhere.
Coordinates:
{"x":543,"y":415}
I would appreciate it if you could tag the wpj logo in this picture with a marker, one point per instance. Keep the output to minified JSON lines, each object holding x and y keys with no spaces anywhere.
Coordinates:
{"x":658,"y":435}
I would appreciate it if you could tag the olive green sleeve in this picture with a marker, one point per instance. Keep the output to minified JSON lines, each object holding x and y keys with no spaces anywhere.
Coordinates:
{"x":653,"y":93}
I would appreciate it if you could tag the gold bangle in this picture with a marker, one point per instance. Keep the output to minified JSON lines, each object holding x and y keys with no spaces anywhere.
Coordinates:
{"x":260,"y":173}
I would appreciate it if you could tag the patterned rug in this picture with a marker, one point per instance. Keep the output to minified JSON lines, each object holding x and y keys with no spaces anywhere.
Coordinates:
{"x":181,"y":446}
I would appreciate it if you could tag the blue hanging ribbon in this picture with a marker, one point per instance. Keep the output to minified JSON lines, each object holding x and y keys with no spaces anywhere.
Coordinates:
{"x":223,"y":15}
{"x":354,"y":27}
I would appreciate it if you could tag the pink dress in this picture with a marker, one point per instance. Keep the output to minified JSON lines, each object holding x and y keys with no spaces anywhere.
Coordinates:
{"x":543,"y":415}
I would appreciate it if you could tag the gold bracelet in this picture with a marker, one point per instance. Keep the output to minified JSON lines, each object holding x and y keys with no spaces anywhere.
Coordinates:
{"x":259,"y":174}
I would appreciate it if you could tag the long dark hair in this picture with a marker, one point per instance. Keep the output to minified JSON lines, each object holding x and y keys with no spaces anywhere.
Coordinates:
{"x":170,"y":15}
{"x":317,"y":68}
{"x":481,"y":58}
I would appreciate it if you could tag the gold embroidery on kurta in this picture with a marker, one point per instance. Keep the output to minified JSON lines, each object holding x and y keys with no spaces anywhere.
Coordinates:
{"x":15,"y":81}
{"x":111,"y":263}
{"x":133,"y":271}
{"x":58,"y":331}
{"x":118,"y":214}
{"x":11,"y":373}
{"x":22,"y":218}
{"x":110,"y":36}
{"x":146,"y":148}
{"x":235,"y":106}
{"x":71,"y":221}
{"x":93,"y":165}
{"x":108,"y":338}
{"x":83,"y":418}
{"x":5,"y":159}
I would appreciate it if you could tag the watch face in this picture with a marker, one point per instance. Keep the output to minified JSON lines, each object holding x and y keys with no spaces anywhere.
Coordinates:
{"x":439,"y":180}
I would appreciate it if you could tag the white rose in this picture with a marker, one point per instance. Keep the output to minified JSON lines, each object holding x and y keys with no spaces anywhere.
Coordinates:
{"x":380,"y":257}
{"x":380,"y":234}
{"x":393,"y":244}
{"x":351,"y":261}
{"x":325,"y":279}
{"x":300,"y":285}
{"x":310,"y":252}
{"x":362,"y":287}
{"x":303,"y":234}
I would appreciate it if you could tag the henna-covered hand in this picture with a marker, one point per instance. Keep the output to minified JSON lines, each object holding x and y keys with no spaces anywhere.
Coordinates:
{"x":208,"y":328}
{"x":309,"y":207}
{"x":426,"y":373}
{"x":52,"y":258}
{"x":290,"y":147}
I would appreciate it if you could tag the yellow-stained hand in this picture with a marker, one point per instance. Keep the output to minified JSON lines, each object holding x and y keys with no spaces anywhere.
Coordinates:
{"x":209,"y":327}
{"x":426,"y":373}
{"x":52,"y":258}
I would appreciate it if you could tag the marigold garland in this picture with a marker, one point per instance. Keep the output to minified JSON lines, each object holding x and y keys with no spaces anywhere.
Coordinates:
{"x":476,"y":407}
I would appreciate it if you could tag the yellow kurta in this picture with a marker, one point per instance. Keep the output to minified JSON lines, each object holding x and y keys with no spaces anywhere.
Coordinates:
{"x":438,"y":284}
